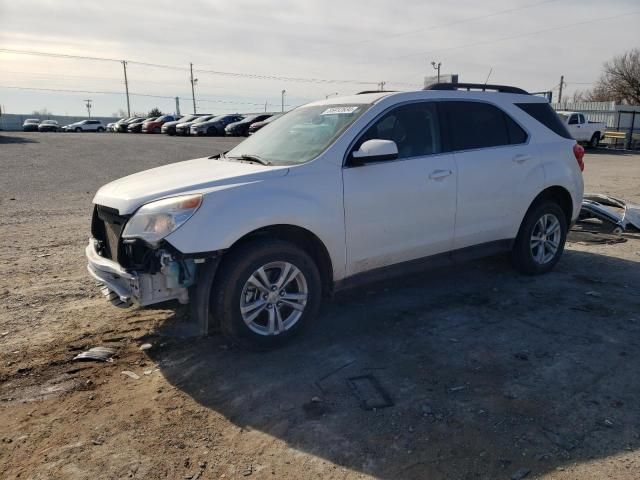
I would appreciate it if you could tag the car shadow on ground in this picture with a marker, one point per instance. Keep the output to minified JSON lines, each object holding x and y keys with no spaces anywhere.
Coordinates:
{"x":472,"y":372}
{"x":4,"y":138}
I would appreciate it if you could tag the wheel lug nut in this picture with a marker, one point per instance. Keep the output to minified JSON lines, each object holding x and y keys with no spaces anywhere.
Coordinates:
{"x":274,"y":288}
{"x":282,"y":293}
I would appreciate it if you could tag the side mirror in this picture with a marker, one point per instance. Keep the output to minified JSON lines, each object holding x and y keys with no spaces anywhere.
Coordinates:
{"x":374,"y":151}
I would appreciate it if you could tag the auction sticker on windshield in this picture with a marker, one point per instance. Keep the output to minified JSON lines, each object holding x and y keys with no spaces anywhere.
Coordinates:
{"x":339,"y":110}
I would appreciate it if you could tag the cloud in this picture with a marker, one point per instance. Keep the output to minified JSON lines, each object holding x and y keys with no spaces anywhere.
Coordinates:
{"x":372,"y":40}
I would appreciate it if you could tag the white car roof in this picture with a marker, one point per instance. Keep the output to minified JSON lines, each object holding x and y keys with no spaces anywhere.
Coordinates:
{"x":369,"y":98}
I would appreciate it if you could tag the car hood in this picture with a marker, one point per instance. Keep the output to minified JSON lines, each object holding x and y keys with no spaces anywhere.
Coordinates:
{"x":201,"y":175}
{"x":172,"y":123}
{"x":184,"y":124}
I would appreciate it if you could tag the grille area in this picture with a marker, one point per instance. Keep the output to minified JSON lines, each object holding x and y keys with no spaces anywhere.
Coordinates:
{"x":106,"y":227}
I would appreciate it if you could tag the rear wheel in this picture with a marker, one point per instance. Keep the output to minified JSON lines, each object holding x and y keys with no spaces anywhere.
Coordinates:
{"x":540,"y":241}
{"x":265,"y":293}
{"x":100,"y":129}
{"x":78,"y":130}
{"x":212,"y":131}
{"x":595,"y":140}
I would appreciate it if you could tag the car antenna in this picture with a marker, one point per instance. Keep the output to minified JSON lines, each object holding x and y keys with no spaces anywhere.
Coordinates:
{"x":487,"y":80}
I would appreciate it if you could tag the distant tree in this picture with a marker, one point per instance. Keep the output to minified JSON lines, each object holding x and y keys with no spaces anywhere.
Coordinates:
{"x":43,"y":112}
{"x":120,"y":113}
{"x":619,"y":81}
{"x":155,"y":112}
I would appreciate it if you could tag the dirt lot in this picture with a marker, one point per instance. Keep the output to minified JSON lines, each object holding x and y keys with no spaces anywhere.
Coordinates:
{"x":488,"y":374}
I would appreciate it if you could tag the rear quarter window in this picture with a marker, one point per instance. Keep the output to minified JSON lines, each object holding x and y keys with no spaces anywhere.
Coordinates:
{"x":545,"y":115}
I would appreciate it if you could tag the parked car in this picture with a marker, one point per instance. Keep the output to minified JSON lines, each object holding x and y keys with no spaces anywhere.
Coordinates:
{"x":112,"y":127}
{"x":85,"y":126}
{"x":30,"y":125}
{"x":155,"y":126}
{"x":185,"y":128}
{"x":49,"y":126}
{"x":214,"y":126}
{"x":136,"y":127}
{"x":122,"y":126}
{"x":169,"y":128}
{"x":241,"y":128}
{"x":336,"y":193}
{"x":254,"y":127}
{"x":582,"y":129}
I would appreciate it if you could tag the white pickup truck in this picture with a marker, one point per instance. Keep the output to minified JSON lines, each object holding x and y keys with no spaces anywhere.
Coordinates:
{"x":583,"y":130}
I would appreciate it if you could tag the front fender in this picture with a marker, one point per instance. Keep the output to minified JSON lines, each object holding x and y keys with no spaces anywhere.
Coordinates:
{"x":310,"y":198}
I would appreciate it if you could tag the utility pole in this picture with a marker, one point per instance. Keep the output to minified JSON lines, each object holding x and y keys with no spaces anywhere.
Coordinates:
{"x":88,"y":104}
{"x":265,"y":105}
{"x":283,"y":92}
{"x":381,"y":86}
{"x":126,"y":86}
{"x":329,"y":94}
{"x":178,"y":106}
{"x":436,"y":66}
{"x":193,"y":90}
{"x":560,"y":91}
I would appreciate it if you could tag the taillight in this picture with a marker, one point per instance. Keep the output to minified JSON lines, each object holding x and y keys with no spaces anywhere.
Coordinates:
{"x":578,"y":151}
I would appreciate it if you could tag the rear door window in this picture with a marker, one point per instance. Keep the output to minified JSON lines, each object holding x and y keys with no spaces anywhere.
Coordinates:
{"x":472,"y":125}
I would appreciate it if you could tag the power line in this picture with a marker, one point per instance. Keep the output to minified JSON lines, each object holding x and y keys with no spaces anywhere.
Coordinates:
{"x":254,"y":76}
{"x":497,"y":40}
{"x":445,"y":25}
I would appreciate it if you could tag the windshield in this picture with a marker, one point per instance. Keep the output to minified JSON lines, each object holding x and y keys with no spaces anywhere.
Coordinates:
{"x":563,"y":116}
{"x":300,"y":135}
{"x":203,"y":119}
{"x":188,"y":118}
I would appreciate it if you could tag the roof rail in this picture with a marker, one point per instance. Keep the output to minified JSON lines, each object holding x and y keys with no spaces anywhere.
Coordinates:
{"x":476,"y":86}
{"x":375,"y":91}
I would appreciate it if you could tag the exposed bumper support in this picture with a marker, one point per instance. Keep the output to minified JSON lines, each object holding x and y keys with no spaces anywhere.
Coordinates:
{"x":141,"y":288}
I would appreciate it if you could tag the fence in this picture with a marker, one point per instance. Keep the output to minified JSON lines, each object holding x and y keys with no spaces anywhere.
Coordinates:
{"x":9,"y":121}
{"x":623,"y":119}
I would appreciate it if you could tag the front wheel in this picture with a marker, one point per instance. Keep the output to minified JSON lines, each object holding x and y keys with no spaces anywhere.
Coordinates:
{"x":100,"y":130}
{"x":78,"y":130}
{"x":212,"y":132}
{"x":595,"y":140}
{"x":266,"y":292}
{"x":540,"y":241}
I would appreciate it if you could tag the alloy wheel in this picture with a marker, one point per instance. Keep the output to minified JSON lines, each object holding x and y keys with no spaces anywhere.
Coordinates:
{"x":545,"y":239}
{"x":274,"y":298}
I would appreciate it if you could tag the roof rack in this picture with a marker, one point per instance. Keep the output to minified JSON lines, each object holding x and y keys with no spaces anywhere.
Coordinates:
{"x":476,"y":86}
{"x":375,"y":91}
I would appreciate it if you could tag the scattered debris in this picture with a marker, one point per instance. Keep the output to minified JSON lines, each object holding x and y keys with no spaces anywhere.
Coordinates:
{"x":520,"y":474}
{"x":130,"y":374}
{"x":101,"y":354}
{"x":614,"y":213}
{"x":608,"y":422}
{"x":42,"y":255}
{"x":145,"y":346}
{"x":248,"y":471}
{"x":522,"y":356}
{"x":316,"y":400}
{"x":593,"y":293}
{"x":457,"y":389}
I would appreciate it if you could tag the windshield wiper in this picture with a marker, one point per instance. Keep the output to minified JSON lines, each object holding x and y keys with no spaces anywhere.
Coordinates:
{"x":254,"y":159}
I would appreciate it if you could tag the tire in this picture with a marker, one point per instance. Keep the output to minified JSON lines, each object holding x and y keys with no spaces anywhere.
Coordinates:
{"x":274,"y":322}
{"x":212,"y":132}
{"x":100,"y":130}
{"x":535,"y":258}
{"x":595,"y":140}
{"x":78,"y":130}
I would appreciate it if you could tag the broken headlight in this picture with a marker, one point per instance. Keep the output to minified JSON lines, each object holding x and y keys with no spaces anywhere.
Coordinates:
{"x":154,"y":221}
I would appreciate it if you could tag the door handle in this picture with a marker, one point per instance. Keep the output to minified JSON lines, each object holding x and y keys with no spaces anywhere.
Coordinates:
{"x":439,"y":174}
{"x":521,"y":158}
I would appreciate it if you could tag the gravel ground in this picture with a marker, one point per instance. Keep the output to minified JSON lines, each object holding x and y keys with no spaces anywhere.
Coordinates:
{"x":485,"y":374}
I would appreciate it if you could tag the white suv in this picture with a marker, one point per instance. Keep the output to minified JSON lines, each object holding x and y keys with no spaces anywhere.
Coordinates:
{"x":85,"y":126}
{"x":335,"y":193}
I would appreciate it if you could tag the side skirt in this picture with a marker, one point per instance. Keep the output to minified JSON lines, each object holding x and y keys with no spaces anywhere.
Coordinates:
{"x":412,"y":267}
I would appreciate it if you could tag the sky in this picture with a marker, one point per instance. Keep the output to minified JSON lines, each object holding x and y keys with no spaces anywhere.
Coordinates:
{"x":254,"y":49}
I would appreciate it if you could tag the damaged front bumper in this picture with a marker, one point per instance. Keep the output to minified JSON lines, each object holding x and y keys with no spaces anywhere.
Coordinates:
{"x":172,"y":282}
